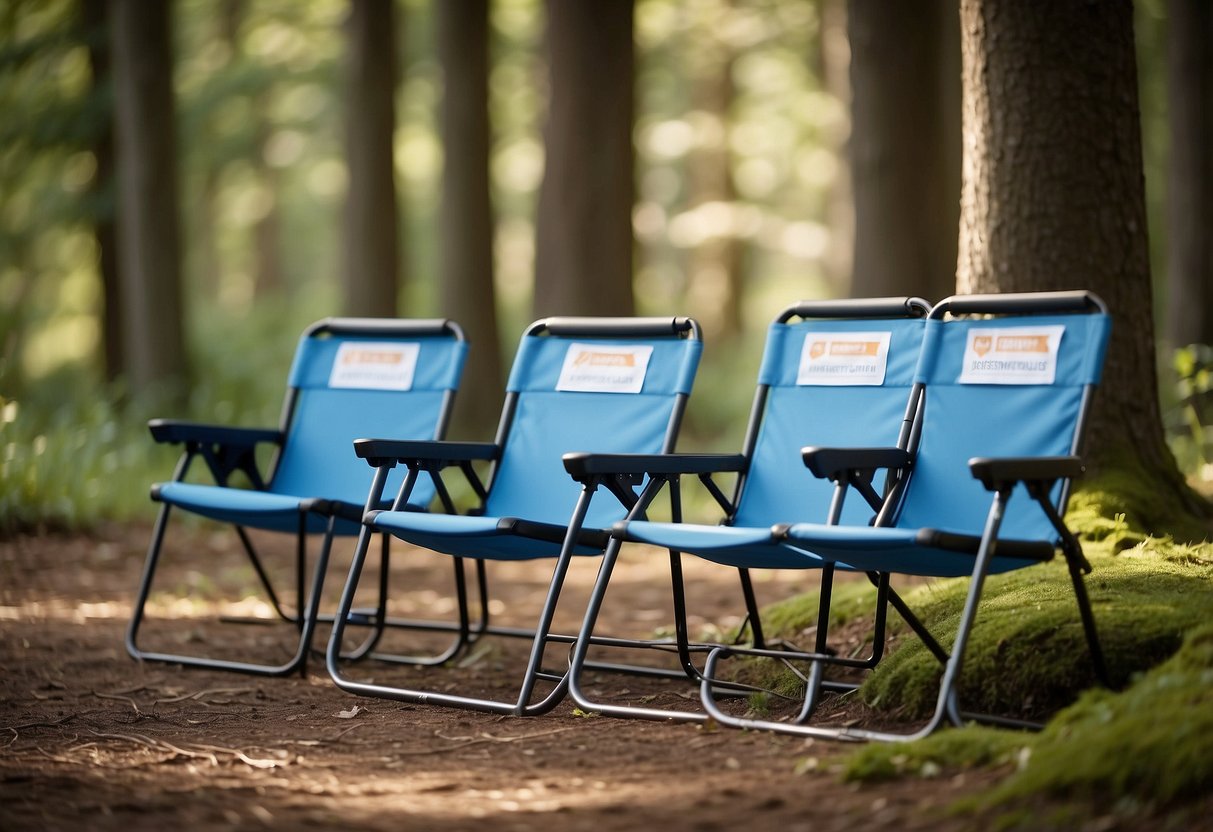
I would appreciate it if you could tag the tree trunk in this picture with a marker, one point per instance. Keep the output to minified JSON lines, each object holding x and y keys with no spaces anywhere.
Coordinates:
{"x":583,"y":258}
{"x":1053,"y":197}
{"x":467,"y":214}
{"x":905,"y":146}
{"x":149,"y":246}
{"x":372,"y":250}
{"x":714,"y":268}
{"x":105,"y":229}
{"x":835,"y":63}
{"x":1190,"y":185}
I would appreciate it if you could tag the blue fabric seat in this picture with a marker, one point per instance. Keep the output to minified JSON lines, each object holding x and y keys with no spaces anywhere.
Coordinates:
{"x":1005,"y":385}
{"x":833,"y":373}
{"x":593,"y":384}
{"x":350,"y":378}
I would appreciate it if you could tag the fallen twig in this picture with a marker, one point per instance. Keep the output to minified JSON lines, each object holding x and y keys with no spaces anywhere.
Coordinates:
{"x":465,"y":742}
{"x":119,"y":697}
{"x":199,"y":695}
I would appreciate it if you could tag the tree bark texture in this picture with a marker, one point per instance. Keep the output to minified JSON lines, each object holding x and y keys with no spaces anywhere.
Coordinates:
{"x":583,"y":258}
{"x":149,"y":242}
{"x":372,"y":247}
{"x":714,"y":267}
{"x":105,"y":228}
{"x":1053,"y":192}
{"x":1190,"y":184}
{"x":467,"y":215}
{"x":905,"y":146}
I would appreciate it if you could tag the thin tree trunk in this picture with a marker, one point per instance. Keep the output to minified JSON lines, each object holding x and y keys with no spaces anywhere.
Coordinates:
{"x":1190,"y":184}
{"x":905,"y":146}
{"x":467,"y":214}
{"x":1054,"y":197}
{"x":583,"y":258}
{"x":149,"y":245}
{"x":835,"y":57}
{"x":105,"y":228}
{"x":714,"y":270}
{"x":372,"y":248}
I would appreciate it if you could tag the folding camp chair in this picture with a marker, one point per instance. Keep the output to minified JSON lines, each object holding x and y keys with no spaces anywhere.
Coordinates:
{"x":1006,"y":383}
{"x":834,"y":373}
{"x":612,"y":385}
{"x":350,"y":377}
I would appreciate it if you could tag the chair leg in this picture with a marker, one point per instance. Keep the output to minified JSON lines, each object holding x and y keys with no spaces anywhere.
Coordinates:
{"x":946,"y":707}
{"x":145,"y":583}
{"x":522,"y":706}
{"x":306,"y":615}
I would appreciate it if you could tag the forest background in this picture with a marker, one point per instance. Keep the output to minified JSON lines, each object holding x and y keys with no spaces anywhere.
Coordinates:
{"x":408,"y":158}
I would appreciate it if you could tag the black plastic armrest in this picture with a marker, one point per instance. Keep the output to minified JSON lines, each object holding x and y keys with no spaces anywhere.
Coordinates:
{"x":581,"y":464}
{"x":176,"y":431}
{"x":1005,"y":472}
{"x":834,"y":463}
{"x":380,"y":451}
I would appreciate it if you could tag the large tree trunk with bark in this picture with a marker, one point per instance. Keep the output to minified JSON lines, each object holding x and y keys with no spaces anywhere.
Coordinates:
{"x":1190,"y":185}
{"x":905,"y":146}
{"x":1053,"y":197}
{"x":467,"y":215}
{"x":583,"y":258}
{"x":372,"y":248}
{"x":149,"y":244}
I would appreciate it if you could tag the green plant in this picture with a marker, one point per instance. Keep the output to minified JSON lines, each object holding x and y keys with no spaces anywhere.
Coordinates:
{"x":1190,"y":421}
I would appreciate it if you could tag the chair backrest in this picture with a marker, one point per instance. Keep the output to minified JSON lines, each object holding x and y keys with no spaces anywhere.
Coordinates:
{"x":599,"y":385}
{"x":364,"y":377}
{"x":1002,"y":376}
{"x":839,"y":377}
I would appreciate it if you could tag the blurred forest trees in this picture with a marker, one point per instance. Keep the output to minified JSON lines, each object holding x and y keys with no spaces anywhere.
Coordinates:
{"x":772,"y":156}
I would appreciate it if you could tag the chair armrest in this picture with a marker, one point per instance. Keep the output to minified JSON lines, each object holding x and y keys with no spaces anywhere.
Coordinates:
{"x":380,"y":451}
{"x":582,"y":464}
{"x":834,"y":463}
{"x":176,"y":431}
{"x":1003,"y":472}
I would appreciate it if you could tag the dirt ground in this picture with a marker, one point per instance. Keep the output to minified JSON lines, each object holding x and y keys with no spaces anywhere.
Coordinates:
{"x":89,"y":737}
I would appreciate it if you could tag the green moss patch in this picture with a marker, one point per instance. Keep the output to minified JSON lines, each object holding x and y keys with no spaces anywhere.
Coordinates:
{"x":1150,"y":746}
{"x":943,"y":753}
{"x":1027,"y":655}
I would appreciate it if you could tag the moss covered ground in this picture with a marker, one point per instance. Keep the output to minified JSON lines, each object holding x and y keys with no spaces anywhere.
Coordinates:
{"x":1144,"y":746}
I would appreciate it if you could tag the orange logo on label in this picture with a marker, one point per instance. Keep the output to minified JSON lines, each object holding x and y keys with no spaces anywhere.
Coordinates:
{"x":371,"y":357}
{"x":854,"y":348}
{"x":605,"y":359}
{"x":817,"y":349}
{"x":982,"y":344}
{"x":1023,"y":343}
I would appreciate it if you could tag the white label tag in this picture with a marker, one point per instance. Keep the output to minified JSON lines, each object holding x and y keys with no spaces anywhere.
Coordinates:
{"x":372,"y":366}
{"x":844,"y":358}
{"x":1011,"y":355}
{"x":595,"y":368}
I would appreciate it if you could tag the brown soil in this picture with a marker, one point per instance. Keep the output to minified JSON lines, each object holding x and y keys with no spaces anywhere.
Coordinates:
{"x":90,"y":736}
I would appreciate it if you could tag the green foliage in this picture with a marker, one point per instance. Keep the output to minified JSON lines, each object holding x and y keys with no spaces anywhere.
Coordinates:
{"x":1190,"y":422}
{"x":69,"y":460}
{"x":69,"y":466}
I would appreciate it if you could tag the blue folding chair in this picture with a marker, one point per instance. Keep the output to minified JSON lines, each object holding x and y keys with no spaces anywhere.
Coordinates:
{"x":598,"y":384}
{"x":833,"y":372}
{"x":1006,"y":383}
{"x":350,"y":377}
